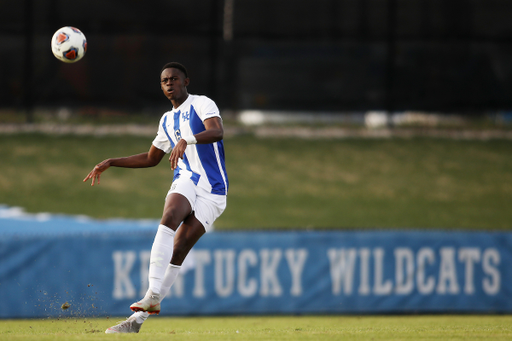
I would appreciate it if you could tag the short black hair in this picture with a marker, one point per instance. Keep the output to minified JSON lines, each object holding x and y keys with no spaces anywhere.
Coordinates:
{"x":176,"y":65}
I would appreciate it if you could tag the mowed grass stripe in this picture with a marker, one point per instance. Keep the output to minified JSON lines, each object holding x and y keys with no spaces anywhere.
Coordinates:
{"x":278,"y":183}
{"x":421,"y":327}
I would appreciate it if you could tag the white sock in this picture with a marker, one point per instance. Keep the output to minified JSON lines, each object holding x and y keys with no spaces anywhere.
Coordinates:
{"x":170,"y":276}
{"x":140,"y":316}
{"x":161,"y":254}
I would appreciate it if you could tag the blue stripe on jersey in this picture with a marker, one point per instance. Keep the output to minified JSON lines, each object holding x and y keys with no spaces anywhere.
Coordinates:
{"x":208,"y":158}
{"x":195,"y":177}
{"x":177,"y":170}
{"x":220,"y":147}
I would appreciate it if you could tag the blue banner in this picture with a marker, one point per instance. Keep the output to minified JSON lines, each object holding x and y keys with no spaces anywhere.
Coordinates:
{"x":102,"y":273}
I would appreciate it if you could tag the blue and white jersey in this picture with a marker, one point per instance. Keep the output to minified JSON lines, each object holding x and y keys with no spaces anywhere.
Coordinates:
{"x":203,"y":163}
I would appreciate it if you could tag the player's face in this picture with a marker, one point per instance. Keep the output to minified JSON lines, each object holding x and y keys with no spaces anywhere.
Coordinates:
{"x":174,"y":85}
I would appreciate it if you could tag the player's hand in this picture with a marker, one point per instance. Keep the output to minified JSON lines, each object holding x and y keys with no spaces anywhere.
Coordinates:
{"x":177,"y":153}
{"x":96,"y":172}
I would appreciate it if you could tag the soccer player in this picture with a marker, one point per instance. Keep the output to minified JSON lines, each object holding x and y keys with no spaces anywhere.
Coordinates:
{"x":192,"y":132}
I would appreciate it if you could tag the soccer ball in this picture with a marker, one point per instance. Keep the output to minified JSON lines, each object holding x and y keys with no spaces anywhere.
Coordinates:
{"x":69,"y":44}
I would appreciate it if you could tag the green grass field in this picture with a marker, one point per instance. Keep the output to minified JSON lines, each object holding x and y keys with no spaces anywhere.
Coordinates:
{"x":278,"y":183}
{"x":439,"y":327}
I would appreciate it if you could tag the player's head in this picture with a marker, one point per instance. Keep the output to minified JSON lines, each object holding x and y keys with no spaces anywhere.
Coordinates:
{"x":174,"y":81}
{"x":176,"y":65}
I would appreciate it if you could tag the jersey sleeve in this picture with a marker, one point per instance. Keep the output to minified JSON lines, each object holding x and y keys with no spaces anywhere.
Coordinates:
{"x":161,"y":141}
{"x":207,"y":109}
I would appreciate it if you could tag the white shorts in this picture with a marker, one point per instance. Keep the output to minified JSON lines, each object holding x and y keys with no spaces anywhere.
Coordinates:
{"x":206,"y":207}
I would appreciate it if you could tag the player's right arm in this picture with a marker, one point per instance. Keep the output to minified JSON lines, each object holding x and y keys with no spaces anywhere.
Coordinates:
{"x":144,"y":160}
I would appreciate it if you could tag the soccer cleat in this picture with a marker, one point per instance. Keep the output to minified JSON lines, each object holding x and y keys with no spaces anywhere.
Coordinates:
{"x":150,"y":303}
{"x":128,"y":326}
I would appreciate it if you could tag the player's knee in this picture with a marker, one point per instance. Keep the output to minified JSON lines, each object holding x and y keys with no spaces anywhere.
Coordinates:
{"x":171,"y":219}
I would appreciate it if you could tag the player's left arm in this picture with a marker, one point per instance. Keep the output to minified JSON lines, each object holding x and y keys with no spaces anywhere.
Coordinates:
{"x":214,"y":131}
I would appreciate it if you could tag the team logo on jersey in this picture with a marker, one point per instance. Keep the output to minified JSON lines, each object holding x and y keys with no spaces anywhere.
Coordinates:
{"x":186,"y":116}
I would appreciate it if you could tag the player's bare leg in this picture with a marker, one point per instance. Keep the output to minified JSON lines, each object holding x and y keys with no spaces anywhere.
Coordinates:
{"x":176,"y":210}
{"x":186,"y":237}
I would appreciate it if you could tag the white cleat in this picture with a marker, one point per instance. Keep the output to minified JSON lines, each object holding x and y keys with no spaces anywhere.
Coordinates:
{"x":150,"y":303}
{"x":128,"y":326}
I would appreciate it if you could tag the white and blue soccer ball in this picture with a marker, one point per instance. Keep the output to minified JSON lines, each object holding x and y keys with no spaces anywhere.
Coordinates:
{"x":69,"y":44}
